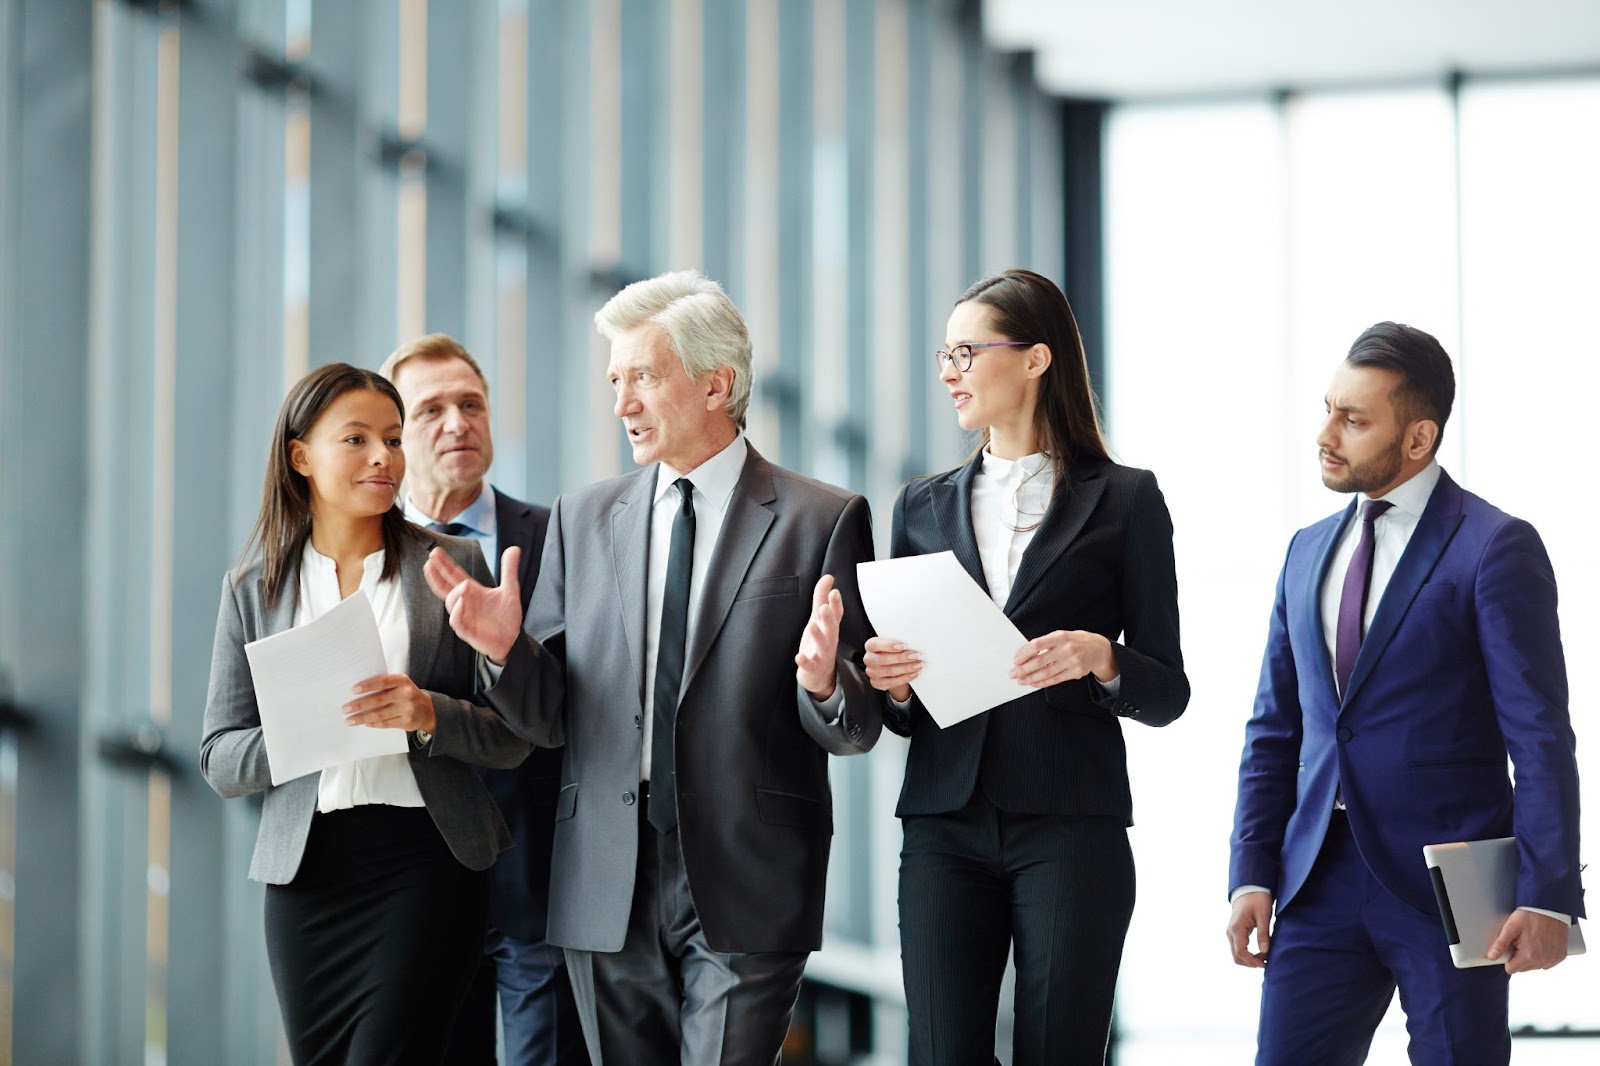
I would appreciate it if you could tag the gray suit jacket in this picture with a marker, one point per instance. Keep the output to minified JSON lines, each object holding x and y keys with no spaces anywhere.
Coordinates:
{"x":233,"y":755}
{"x":755,"y":816}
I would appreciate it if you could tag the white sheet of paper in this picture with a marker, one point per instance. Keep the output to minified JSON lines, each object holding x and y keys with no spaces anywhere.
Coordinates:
{"x":304,"y":675}
{"x":932,"y":606}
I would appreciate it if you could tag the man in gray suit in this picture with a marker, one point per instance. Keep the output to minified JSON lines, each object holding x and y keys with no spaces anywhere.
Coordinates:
{"x":694,"y":819}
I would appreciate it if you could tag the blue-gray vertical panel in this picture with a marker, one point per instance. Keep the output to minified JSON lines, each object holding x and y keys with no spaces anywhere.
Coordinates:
{"x":861,"y":93}
{"x":250,"y":1024}
{"x":353,"y":220}
{"x":974,"y":68}
{"x":796,"y":137}
{"x":118,"y":525}
{"x":919,"y":309}
{"x":644,"y":29}
{"x":724,"y":119}
{"x":207,"y":138}
{"x":558,"y":332}
{"x":453,"y":55}
{"x":1082,"y":128}
{"x":1024,"y":100}
{"x":46,"y":91}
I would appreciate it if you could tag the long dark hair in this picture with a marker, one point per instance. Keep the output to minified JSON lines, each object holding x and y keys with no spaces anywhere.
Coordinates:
{"x":284,"y":524}
{"x":1030,"y":307}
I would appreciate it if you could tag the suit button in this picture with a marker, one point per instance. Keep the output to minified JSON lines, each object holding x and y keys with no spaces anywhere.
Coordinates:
{"x":638,"y":721}
{"x":627,"y":799}
{"x":1344,"y":733}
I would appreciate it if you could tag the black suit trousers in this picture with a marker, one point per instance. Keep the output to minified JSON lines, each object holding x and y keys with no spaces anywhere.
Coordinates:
{"x":979,"y":882}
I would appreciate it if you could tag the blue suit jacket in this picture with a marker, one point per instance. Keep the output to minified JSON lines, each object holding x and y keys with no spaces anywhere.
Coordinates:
{"x":1461,"y":668}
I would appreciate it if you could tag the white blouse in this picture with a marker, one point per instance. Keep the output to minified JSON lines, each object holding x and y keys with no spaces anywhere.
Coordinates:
{"x":1009,"y":499}
{"x":383,"y":778}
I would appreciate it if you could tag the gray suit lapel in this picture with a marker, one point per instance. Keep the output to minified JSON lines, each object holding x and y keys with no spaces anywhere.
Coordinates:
{"x":750,"y":515}
{"x":630,"y":558}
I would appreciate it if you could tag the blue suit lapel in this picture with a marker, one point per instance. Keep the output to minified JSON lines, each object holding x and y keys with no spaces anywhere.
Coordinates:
{"x":952,"y":508}
{"x":1312,"y":615}
{"x":1438,"y":524}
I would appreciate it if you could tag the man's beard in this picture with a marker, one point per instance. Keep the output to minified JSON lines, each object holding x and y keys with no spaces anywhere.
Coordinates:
{"x":1367,"y":477}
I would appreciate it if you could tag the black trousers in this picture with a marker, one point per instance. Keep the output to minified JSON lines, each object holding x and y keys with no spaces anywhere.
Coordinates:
{"x":980,"y":882}
{"x":373,"y":943}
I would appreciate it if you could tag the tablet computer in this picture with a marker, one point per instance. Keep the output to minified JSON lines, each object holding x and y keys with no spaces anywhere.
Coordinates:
{"x":1475,"y":883}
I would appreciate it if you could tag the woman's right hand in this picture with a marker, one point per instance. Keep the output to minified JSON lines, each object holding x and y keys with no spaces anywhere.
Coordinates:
{"x":891,"y":667}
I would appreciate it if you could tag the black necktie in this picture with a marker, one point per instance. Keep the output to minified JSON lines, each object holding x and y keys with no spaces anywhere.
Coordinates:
{"x":454,"y":529}
{"x":669,"y":664}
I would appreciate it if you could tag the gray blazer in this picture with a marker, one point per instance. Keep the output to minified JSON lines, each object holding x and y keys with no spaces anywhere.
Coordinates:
{"x":755,"y":816}
{"x":233,"y":755}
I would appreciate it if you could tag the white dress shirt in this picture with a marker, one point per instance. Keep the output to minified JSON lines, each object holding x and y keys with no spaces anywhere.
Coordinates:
{"x":383,"y":778}
{"x":1391,"y":533}
{"x":714,"y":481}
{"x":478,"y":517}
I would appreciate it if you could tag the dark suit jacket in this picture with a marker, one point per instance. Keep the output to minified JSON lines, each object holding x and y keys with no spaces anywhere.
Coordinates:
{"x":755,"y":816}
{"x":1101,"y":560}
{"x":1461,"y":668}
{"x":519,"y":896}
{"x":233,"y":754}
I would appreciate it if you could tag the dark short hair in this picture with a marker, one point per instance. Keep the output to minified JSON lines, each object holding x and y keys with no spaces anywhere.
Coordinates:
{"x":1427,"y":388}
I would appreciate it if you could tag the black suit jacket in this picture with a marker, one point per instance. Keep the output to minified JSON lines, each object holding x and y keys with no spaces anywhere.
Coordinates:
{"x":1101,"y":560}
{"x":519,"y":895}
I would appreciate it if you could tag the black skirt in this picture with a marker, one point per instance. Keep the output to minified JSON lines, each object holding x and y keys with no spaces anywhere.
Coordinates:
{"x":375,"y":941}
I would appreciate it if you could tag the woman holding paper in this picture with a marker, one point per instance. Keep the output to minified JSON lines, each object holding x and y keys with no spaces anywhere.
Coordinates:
{"x":376,"y":893}
{"x":1015,"y":818}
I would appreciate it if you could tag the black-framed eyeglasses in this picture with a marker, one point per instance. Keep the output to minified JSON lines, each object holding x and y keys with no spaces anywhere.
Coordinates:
{"x":961,"y":355}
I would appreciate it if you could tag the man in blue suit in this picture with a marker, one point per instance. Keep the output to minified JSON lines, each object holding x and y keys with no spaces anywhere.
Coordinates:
{"x":449,"y":448}
{"x":1413,"y":648}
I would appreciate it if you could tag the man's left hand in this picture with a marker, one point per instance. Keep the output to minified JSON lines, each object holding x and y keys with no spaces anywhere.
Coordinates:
{"x":815,"y":663}
{"x":1534,"y":942}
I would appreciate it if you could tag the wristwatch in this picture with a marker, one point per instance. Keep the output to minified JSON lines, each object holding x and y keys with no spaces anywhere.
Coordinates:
{"x":421,"y":738}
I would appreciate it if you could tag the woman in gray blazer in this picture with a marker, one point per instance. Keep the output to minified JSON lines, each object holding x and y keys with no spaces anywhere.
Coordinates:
{"x":377,"y":890}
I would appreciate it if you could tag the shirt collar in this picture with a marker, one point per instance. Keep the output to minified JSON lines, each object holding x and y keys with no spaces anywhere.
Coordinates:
{"x":1011,"y":470}
{"x":1412,"y":496}
{"x":714,"y":478}
{"x":478,"y":517}
{"x":314,"y":562}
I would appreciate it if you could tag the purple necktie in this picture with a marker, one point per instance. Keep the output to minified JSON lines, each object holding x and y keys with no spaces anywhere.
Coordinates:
{"x":1353,"y":600}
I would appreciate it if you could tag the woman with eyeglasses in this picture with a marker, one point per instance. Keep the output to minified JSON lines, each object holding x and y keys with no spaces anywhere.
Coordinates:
{"x":376,"y":870}
{"x":1015,"y":820}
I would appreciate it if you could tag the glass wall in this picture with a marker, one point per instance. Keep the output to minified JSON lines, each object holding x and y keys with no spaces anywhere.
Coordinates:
{"x":1247,"y":244}
{"x":200,"y":201}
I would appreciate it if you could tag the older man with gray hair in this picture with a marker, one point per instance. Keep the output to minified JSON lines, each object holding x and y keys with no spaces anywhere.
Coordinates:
{"x":690,"y":645}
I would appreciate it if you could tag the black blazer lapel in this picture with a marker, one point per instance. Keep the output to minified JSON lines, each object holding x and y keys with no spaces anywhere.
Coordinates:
{"x":1438,"y":524}
{"x":1062,"y":521}
{"x":630,"y":558}
{"x":750,"y":515}
{"x":951,"y":496}
{"x":424,"y":611}
{"x":514,"y":524}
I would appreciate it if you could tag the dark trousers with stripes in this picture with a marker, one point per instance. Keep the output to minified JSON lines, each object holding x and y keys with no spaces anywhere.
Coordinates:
{"x":979,"y":882}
